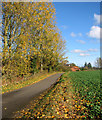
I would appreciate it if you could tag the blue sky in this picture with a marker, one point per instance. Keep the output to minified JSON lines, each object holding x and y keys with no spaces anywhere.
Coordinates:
{"x":79,"y":24}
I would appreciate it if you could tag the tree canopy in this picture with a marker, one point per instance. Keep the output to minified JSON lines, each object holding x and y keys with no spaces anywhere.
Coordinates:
{"x":98,"y":62}
{"x":89,"y":65}
{"x":85,"y":65}
{"x":31,"y":39}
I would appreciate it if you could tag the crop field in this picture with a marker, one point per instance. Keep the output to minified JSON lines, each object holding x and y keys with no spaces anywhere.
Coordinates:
{"x":75,"y":95}
{"x":86,"y":86}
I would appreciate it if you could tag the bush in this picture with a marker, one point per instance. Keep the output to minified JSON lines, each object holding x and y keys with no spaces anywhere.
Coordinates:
{"x":63,"y":68}
{"x":82,"y":68}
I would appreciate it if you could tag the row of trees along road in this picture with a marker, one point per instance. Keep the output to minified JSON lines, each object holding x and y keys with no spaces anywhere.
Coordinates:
{"x":31,"y":39}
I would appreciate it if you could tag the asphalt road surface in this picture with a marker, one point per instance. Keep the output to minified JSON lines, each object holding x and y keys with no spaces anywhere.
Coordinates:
{"x":18,"y":99}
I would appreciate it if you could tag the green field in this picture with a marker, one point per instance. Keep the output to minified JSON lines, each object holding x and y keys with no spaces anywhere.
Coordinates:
{"x":86,"y":86}
{"x":76,"y":95}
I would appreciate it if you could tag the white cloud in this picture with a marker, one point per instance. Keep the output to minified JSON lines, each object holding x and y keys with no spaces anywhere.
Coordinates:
{"x":84,"y":51}
{"x":92,"y":50}
{"x":64,"y":27}
{"x":83,"y":54}
{"x":78,"y":51}
{"x":95,"y":32}
{"x":98,"y":18}
{"x":81,"y":41}
{"x":80,"y":34}
{"x":73,"y":34}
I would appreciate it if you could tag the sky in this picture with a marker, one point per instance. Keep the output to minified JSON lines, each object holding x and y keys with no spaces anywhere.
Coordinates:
{"x":79,"y":24}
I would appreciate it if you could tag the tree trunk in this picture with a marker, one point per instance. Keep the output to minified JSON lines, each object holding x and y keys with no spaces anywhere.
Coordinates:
{"x":41,"y":66}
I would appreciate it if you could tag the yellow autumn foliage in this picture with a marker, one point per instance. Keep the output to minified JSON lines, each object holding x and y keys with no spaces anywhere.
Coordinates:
{"x":31,"y":39}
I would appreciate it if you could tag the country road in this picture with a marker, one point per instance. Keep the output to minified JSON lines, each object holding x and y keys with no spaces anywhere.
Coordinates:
{"x":18,"y":99}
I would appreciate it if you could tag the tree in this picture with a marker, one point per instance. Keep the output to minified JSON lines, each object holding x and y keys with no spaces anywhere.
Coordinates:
{"x":85,"y":65}
{"x":31,"y":39}
{"x":72,"y":64}
{"x":15,"y":38}
{"x":89,"y":65}
{"x":98,"y":62}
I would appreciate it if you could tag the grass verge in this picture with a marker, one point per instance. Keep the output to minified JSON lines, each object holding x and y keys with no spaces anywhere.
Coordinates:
{"x":23,"y":83}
